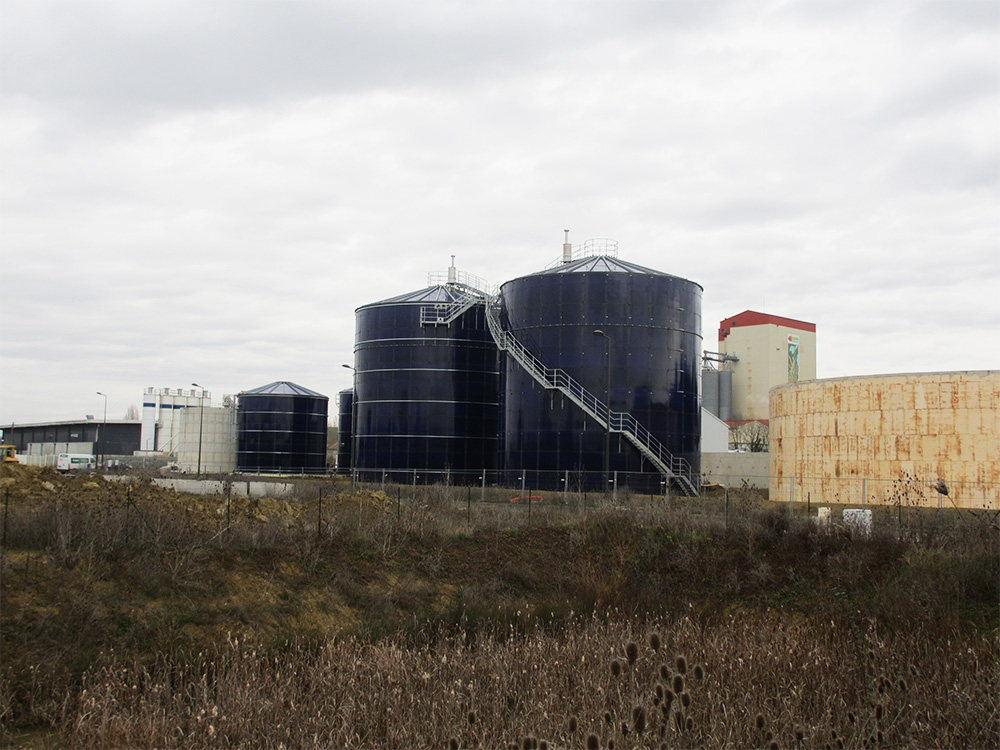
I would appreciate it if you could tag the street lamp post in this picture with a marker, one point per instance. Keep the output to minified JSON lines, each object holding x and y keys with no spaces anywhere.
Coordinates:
{"x":607,"y":385}
{"x":201,"y":424}
{"x":102,"y":428}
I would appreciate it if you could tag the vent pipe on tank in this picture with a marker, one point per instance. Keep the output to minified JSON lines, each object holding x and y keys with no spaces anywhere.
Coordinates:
{"x":567,"y":249}
{"x":452,"y":274}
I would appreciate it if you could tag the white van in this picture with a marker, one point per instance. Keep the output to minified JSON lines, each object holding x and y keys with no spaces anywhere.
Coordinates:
{"x":76,"y":462}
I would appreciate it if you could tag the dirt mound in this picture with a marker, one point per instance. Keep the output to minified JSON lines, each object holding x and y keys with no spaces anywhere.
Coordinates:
{"x":22,"y":484}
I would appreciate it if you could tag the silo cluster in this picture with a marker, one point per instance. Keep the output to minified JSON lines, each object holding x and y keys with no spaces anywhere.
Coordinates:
{"x":580,"y":372}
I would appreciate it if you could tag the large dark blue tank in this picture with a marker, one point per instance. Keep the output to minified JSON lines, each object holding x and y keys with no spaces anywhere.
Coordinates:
{"x":651,"y":323}
{"x":427,"y":387}
{"x":281,"y":430}
{"x":345,"y":429}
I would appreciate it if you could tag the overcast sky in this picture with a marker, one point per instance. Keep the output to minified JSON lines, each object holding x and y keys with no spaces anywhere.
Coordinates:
{"x":204,"y":191}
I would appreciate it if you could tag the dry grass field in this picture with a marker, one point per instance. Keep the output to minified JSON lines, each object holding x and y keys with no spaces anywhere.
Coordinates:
{"x":417,"y":617}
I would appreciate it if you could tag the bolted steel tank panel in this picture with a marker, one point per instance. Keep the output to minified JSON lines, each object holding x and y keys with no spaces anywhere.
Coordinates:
{"x":426,"y":392}
{"x":281,"y":430}
{"x":652,"y":326}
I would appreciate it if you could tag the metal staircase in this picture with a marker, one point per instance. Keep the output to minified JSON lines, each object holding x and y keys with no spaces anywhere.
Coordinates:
{"x":670,"y":466}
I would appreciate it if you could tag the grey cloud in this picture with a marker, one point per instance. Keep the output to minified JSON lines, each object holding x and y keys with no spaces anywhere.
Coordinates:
{"x":110,"y":57}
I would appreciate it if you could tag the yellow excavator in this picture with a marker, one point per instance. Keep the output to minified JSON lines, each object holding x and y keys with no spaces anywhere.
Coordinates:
{"x":9,"y":453}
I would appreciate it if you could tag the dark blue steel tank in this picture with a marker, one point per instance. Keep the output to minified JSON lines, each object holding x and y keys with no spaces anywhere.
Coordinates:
{"x":653,"y":326}
{"x":427,"y":386}
{"x":282,"y":429}
{"x":345,"y":429}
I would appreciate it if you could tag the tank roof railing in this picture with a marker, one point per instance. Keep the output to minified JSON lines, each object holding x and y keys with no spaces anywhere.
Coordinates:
{"x":622,"y":422}
{"x":463,"y":278}
{"x":592,"y":248}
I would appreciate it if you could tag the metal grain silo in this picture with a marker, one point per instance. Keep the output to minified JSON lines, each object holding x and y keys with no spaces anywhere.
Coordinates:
{"x":426,"y":393}
{"x":282,"y":429}
{"x":650,"y":337}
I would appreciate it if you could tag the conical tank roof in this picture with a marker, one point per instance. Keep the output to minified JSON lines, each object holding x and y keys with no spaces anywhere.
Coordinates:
{"x":431,"y":295}
{"x":600,"y":264}
{"x":282,"y":388}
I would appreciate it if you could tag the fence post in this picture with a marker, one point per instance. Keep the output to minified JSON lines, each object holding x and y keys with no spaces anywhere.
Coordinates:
{"x":614,"y":495}
{"x":727,"y":505}
{"x":565,"y":486}
{"x":482,"y":494}
{"x":864,"y":491}
{"x":468,"y":503}
{"x":791,"y":495}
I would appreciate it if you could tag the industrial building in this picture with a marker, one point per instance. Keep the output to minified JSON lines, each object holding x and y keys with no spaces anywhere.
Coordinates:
{"x":757,"y":352}
{"x":888,"y":439}
{"x":583,"y":373}
{"x":41,"y":443}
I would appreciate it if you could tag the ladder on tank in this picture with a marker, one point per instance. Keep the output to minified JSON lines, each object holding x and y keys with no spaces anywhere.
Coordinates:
{"x":672,"y":467}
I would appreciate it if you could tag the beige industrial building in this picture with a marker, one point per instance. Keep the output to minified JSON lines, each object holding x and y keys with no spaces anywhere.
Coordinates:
{"x":888,"y":438}
{"x":763,"y":351}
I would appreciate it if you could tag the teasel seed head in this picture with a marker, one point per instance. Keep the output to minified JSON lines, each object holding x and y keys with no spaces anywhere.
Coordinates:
{"x":689,"y":724}
{"x":871,"y":655}
{"x":659,"y":690}
{"x":878,"y":712}
{"x":759,"y":721}
{"x":654,"y":641}
{"x":616,"y":667}
{"x":682,"y":665}
{"x":631,"y":652}
{"x":668,"y":697}
{"x":851,"y":717}
{"x":840,"y":744}
{"x":902,"y":685}
{"x":686,"y":699}
{"x":678,"y":684}
{"x":799,"y":735}
{"x":607,"y":718}
{"x":572,"y":724}
{"x":453,"y":744}
{"x":472,"y":717}
{"x":639,"y":719}
{"x":878,"y":736}
{"x":773,"y":745}
{"x":664,"y":673}
{"x":592,"y":742}
{"x":699,"y":673}
{"x":543,"y":745}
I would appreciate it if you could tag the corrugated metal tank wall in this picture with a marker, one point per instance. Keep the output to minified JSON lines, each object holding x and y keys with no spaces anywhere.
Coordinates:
{"x":653,"y":321}
{"x":426,"y":396}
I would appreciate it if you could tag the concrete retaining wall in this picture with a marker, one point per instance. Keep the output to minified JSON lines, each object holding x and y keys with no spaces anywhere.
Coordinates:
{"x":732,"y":469}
